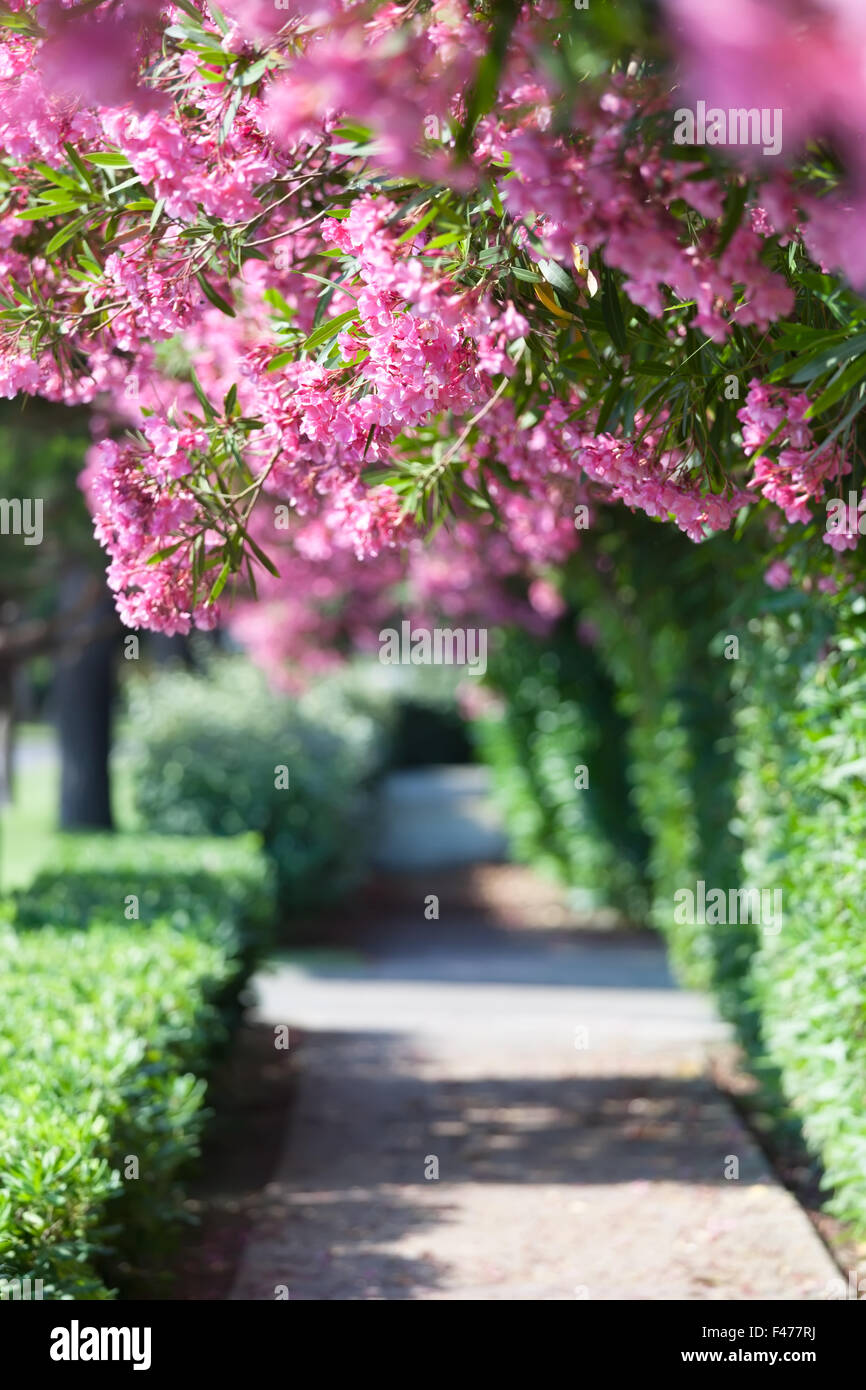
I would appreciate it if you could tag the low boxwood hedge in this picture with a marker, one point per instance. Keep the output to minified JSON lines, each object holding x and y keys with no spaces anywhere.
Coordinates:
{"x":108,"y":1027}
{"x":223,"y":888}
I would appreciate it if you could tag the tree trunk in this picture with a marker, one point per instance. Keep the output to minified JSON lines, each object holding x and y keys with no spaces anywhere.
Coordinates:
{"x":168,"y":651}
{"x":7,"y":720}
{"x":83,"y":693}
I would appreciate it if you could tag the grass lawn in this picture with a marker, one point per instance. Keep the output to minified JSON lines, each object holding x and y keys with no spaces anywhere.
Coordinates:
{"x":28,"y":828}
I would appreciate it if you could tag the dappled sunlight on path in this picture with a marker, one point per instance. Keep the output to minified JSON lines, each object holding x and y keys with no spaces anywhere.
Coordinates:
{"x":556,"y":1081}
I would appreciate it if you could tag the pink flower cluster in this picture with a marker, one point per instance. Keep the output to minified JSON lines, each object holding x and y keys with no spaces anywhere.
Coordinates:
{"x":795,"y":473}
{"x":139,"y":511}
{"x":614,"y":196}
{"x":806,"y":62}
{"x":413,"y":376}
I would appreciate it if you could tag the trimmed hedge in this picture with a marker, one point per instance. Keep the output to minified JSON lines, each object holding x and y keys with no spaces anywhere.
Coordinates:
{"x":107,"y":1030}
{"x":220,"y":888}
{"x":744,"y":772}
{"x":802,"y":809}
{"x":558,"y":715}
{"x":661,"y":609}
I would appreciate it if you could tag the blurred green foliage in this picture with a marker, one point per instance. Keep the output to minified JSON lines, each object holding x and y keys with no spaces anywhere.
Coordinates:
{"x":207,"y":753}
{"x":558,"y":715}
{"x":414,"y":708}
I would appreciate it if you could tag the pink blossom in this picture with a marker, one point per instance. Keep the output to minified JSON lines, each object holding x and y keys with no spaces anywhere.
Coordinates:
{"x":778,"y":576}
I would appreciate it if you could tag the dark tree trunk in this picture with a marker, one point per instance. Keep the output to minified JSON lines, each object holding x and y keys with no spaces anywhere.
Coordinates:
{"x":7,"y":720}
{"x":168,"y":651}
{"x":82,"y":696}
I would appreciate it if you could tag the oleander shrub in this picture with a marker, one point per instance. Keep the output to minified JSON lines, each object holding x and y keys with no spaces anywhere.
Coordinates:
{"x":108,"y":1029}
{"x":211,"y":755}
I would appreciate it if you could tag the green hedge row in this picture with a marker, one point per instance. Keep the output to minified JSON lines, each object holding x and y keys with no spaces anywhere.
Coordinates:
{"x":222,"y":889}
{"x":108,"y":1026}
{"x":555,"y":744}
{"x":662,"y":609}
{"x":745,"y":761}
{"x":802,"y":814}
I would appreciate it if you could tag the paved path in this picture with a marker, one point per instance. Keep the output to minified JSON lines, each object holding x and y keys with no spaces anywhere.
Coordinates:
{"x":557,"y":1079}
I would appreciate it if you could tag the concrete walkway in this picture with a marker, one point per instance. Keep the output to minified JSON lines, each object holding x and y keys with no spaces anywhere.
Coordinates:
{"x":556,"y":1082}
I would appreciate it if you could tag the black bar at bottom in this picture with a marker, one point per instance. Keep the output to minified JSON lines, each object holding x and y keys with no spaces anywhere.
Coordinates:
{"x":256,"y":1340}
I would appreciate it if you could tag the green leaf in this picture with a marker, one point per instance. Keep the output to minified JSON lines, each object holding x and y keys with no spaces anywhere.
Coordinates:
{"x":611,"y":310}
{"x":210,"y":413}
{"x":608,"y":402}
{"x":164,"y":553}
{"x":811,"y":364}
{"x":220,"y":18}
{"x":108,"y":159}
{"x":78,"y":165}
{"x":20,"y":294}
{"x":423,"y":221}
{"x":220,"y":582}
{"x":55,"y":176}
{"x":557,"y":277}
{"x":215,"y":298}
{"x":444,"y":239}
{"x":329,"y":329}
{"x":47,"y":210}
{"x":257,"y":70}
{"x":842,"y":425}
{"x":734,"y":205}
{"x":188,"y":9}
{"x":852,"y":374}
{"x":482,"y":93}
{"x":796,"y":335}
{"x":217,"y":57}
{"x":260,"y":555}
{"x":229,"y":118}
{"x":282,"y":359}
{"x":65,"y":234}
